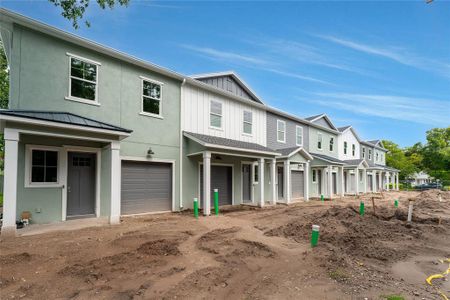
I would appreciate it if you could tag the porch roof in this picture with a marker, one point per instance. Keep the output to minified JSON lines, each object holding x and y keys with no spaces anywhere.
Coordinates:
{"x":287,"y":152}
{"x":356,"y":162}
{"x":58,"y":117}
{"x":328,"y":159}
{"x":390,"y":169}
{"x":229,"y":144}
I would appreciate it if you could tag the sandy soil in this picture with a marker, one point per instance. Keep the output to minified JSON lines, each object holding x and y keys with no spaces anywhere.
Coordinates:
{"x":245,"y":252}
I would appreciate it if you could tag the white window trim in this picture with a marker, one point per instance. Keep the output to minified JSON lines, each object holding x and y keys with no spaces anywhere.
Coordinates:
{"x":370,"y":154}
{"x":144,"y":113}
{"x":319,"y":137}
{"x":329,"y":143}
{"x":284,"y":132}
{"x":245,"y":122}
{"x":314,"y":176}
{"x":28,"y":160}
{"x":297,"y":128}
{"x":363,"y":152}
{"x":221,"y":115}
{"x":345,"y":147}
{"x":353,"y":150}
{"x":255,"y":171}
{"x":77,"y":99}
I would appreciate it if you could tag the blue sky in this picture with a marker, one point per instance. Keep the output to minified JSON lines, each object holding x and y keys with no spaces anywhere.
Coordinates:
{"x":383,"y":67}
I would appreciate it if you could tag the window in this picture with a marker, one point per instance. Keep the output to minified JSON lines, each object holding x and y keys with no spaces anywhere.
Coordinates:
{"x":353,"y":149}
{"x":345,"y":147}
{"x":331,"y":144}
{"x":314,"y":175}
{"x":319,"y":141}
{"x":370,"y":153}
{"x":248,"y":122}
{"x":255,"y":174}
{"x":151,"y":97}
{"x":281,"y":131}
{"x":299,"y":135}
{"x":83,"y":80}
{"x":215,"y":114}
{"x":363,"y":152}
{"x":44,"y":166}
{"x":376,"y":156}
{"x":229,"y":85}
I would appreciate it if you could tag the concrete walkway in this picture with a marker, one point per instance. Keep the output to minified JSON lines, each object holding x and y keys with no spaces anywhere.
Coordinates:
{"x":62,"y":226}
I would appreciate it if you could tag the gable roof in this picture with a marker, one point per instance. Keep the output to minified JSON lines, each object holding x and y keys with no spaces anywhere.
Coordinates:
{"x":235,"y":77}
{"x":288,"y":152}
{"x":316,"y":118}
{"x":349,"y":127}
{"x":343,"y":129}
{"x":356,"y":162}
{"x":60,"y":117}
{"x":312,"y":118}
{"x":376,"y":144}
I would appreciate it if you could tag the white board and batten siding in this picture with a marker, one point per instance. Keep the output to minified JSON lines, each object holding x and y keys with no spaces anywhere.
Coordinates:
{"x":351,"y":139}
{"x":195,"y":110}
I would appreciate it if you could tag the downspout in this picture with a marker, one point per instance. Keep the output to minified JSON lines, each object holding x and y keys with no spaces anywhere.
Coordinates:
{"x":181,"y":143}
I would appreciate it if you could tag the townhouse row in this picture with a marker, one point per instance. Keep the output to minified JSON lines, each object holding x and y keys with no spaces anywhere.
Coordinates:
{"x":93,"y":132}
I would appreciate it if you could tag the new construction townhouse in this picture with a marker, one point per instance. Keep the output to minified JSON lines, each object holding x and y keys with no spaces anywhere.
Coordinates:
{"x":93,"y":132}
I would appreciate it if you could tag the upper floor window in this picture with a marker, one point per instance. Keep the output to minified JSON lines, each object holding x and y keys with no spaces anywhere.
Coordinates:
{"x":151,"y":97}
{"x":353,"y":149}
{"x":281,"y":131}
{"x":376,"y":156}
{"x":370,"y":154}
{"x":215,"y":114}
{"x":299,"y":135}
{"x":248,"y":122}
{"x":83,"y":84}
{"x":345,"y":147}
{"x":363,"y":152}
{"x":319,"y":141}
{"x":331,"y":144}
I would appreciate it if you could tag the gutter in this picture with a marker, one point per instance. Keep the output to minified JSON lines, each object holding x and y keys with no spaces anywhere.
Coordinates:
{"x":181,"y":142}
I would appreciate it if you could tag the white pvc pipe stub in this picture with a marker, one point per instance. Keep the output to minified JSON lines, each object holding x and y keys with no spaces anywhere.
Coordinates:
{"x":315,"y":227}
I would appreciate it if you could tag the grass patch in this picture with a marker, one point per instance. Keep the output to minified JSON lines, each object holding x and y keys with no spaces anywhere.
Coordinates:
{"x":339,"y":275}
{"x":393,"y":297}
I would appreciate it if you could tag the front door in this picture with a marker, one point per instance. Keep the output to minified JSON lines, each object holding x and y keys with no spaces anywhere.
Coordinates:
{"x":247,"y":183}
{"x":345,"y":182}
{"x":81,"y":184}
{"x":319,"y":181}
{"x":280,"y":183}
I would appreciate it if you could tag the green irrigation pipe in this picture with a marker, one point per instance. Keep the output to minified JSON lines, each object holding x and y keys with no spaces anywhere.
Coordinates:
{"x":322,"y":198}
{"x":396,"y":203}
{"x":315,"y":235}
{"x":361,"y":208}
{"x":196,"y":208}
{"x":216,"y":201}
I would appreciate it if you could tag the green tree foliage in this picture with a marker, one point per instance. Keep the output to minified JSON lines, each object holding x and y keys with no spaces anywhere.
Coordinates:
{"x":4,"y":78}
{"x":397,"y":158}
{"x":74,"y":10}
{"x":436,"y":153}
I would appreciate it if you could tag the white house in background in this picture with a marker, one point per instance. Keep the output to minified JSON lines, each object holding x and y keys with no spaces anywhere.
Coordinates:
{"x":421,"y":178}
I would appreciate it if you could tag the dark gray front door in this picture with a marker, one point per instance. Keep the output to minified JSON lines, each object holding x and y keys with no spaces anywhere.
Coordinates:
{"x":297,"y":184}
{"x":280,"y":183}
{"x":221,"y":179}
{"x":345,"y":182}
{"x":334,"y":175}
{"x":146,"y":187}
{"x":246,"y":183}
{"x":81,"y":184}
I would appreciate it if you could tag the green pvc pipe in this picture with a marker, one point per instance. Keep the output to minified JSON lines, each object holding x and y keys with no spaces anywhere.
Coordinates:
{"x":196,"y":208}
{"x":315,"y":235}
{"x":396,"y":203}
{"x":216,"y":201}
{"x":322,"y":198}
{"x":361,"y":208}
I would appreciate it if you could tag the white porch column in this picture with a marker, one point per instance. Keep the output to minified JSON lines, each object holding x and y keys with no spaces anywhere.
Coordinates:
{"x":324,"y":183}
{"x":306,"y":173}
{"x":342,"y":181}
{"x":357,"y":181}
{"x":261,"y":181}
{"x":330,"y":181}
{"x":273,"y":175}
{"x":387,"y":181}
{"x":11,"y":137}
{"x":374,"y":181}
{"x":380,"y":181}
{"x":365,"y":180}
{"x":397,"y":188}
{"x":206,"y":183}
{"x":287,"y":181}
{"x":114,"y":217}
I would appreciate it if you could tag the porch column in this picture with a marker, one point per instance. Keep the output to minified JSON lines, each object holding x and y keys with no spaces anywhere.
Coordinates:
{"x":206,"y":183}
{"x":11,"y":137}
{"x":397,"y":187}
{"x":287,"y":181}
{"x":261,"y":181}
{"x":380,"y":181}
{"x":387,"y":181}
{"x":365,"y":180}
{"x":342,"y":181}
{"x":330,"y":181}
{"x":114,"y":217}
{"x":374,"y":181}
{"x":306,"y":173}
{"x":357,"y":181}
{"x":324,"y":183}
{"x":273,"y":175}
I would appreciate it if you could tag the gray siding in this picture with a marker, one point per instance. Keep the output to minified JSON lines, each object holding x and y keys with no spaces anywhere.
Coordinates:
{"x":227,"y":83}
{"x":323,"y":123}
{"x":290,"y":133}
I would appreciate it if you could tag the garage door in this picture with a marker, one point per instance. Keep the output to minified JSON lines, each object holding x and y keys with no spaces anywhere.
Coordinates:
{"x":146,"y":187}
{"x":297,"y":184}
{"x":221,"y":178}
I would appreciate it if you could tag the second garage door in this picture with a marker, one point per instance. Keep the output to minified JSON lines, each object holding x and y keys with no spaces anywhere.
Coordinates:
{"x":146,"y":187}
{"x":297,"y":184}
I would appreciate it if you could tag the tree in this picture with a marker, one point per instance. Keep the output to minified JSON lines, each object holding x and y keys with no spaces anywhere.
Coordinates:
{"x":397,"y":159}
{"x":74,"y":10}
{"x":436,"y":153}
{"x":4,"y":94}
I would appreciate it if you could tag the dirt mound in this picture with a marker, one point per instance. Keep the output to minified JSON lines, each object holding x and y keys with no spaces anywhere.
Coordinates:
{"x":160,"y":247}
{"x":433,"y":200}
{"x":15,"y":258}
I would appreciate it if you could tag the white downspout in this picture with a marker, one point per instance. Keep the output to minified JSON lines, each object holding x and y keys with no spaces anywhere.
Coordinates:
{"x":181,"y":143}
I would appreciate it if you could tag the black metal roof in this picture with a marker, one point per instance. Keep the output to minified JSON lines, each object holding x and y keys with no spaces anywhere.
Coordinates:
{"x":61,"y":117}
{"x":219,"y":141}
{"x":328,"y":158}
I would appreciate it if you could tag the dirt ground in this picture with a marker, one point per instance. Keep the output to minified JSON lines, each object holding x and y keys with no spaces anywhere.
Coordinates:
{"x":244,"y":253}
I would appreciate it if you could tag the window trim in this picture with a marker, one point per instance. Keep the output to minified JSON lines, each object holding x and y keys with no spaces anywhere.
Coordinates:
{"x":353,"y":150}
{"x":370,"y":154}
{"x":331,"y":144}
{"x":221,"y":115}
{"x":245,"y":122}
{"x":314,"y":176}
{"x":255,"y":172}
{"x":69,"y":96}
{"x":284,"y":132}
{"x":144,"y":113}
{"x":364,"y":152}
{"x":319,"y":137}
{"x":28,"y":166}
{"x":296,"y":135}
{"x":345,"y":147}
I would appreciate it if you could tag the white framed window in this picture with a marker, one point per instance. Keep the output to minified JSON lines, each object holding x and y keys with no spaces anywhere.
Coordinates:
{"x":345,"y":147}
{"x":83,"y":80}
{"x":360,"y":176}
{"x":248,"y":122}
{"x":281,"y":131}
{"x":151,"y":97}
{"x":370,"y":154}
{"x":299,"y":135}
{"x":331,"y":144}
{"x":363,"y":152}
{"x":255,"y":173}
{"x":314,"y":176}
{"x":42,"y":166}
{"x":215,"y":114}
{"x":353,"y":149}
{"x":319,"y":141}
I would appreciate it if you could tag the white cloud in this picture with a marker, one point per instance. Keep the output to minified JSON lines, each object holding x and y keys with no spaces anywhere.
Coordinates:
{"x":417,"y":110}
